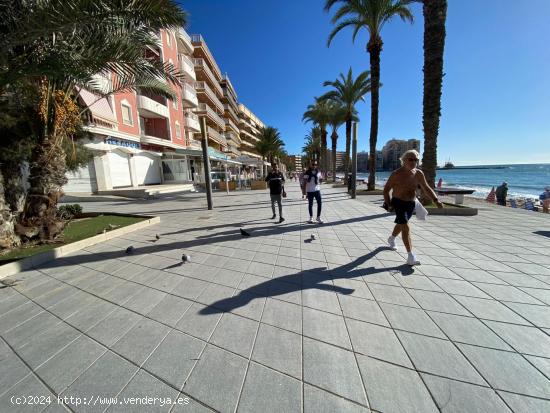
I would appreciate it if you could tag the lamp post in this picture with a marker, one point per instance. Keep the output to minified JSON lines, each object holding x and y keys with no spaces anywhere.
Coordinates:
{"x":206,"y":161}
{"x":354,"y":162}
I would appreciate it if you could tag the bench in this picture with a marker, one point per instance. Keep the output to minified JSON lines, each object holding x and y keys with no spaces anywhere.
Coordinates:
{"x":457,"y":192}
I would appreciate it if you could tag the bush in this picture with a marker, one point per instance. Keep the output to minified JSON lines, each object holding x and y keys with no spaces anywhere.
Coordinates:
{"x":69,"y":211}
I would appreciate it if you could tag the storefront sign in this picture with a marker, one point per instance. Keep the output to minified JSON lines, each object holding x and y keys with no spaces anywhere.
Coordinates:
{"x":121,"y":142}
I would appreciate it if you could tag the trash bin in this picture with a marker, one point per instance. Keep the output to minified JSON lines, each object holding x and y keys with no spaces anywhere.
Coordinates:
{"x":350,"y":177}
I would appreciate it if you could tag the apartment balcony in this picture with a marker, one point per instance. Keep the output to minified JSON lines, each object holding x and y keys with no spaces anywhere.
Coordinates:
{"x":229,"y":109}
{"x":189,"y":96}
{"x":187,"y":67}
{"x":150,"y":108}
{"x":192,"y":122}
{"x":203,"y":88}
{"x":233,"y":150}
{"x":204,"y":110}
{"x":249,"y":135}
{"x":229,"y":124}
{"x":233,"y":137}
{"x":214,"y":135}
{"x":202,"y":49}
{"x":153,"y":140}
{"x":185,"y":44}
{"x":247,"y":144}
{"x":202,"y":69}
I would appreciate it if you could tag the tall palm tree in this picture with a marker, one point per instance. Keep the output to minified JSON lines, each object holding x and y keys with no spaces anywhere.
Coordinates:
{"x":435,"y":14}
{"x":312,"y":145}
{"x":319,"y":114}
{"x":337,"y":118}
{"x":46,"y":46}
{"x":270,"y":146}
{"x":348,"y":92}
{"x":370,"y":15}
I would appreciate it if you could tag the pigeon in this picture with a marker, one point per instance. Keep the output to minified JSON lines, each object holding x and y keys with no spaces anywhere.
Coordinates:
{"x":244,"y":233}
{"x":111,"y":226}
{"x":185,"y":258}
{"x":157,"y":237}
{"x":130,"y":250}
{"x":312,"y":236}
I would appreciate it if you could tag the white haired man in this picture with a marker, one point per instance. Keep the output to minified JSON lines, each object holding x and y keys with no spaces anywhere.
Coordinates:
{"x":403,"y":183}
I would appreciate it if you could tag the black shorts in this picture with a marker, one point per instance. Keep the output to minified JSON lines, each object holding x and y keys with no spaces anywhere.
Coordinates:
{"x":403,"y":210}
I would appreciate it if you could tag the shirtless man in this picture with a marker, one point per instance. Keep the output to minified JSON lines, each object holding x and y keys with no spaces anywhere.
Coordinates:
{"x":404,"y":182}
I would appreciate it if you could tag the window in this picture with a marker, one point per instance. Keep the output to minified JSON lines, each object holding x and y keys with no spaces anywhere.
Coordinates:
{"x":126,"y":114}
{"x":178,"y":130}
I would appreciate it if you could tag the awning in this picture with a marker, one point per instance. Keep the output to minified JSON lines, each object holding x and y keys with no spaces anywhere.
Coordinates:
{"x":191,"y":152}
{"x":98,"y":106}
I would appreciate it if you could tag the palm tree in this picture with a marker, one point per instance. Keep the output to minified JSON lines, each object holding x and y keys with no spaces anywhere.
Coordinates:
{"x":337,"y":118}
{"x":47,"y":47}
{"x":435,"y":13}
{"x":270,"y":146}
{"x":348,"y":92}
{"x":312,"y":145}
{"x":370,"y":15}
{"x":319,"y":114}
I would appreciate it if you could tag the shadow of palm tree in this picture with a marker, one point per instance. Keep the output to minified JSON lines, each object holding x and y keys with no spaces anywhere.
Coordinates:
{"x":316,"y":278}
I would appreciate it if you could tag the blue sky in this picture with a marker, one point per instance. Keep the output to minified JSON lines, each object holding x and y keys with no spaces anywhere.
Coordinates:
{"x":496,"y":92}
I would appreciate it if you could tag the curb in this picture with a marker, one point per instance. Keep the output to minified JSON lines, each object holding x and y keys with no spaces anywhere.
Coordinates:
{"x":46,"y":256}
{"x":459,"y":212}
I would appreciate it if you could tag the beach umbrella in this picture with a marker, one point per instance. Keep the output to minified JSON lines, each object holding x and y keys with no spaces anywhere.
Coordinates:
{"x":492,"y":196}
{"x":440,"y":183}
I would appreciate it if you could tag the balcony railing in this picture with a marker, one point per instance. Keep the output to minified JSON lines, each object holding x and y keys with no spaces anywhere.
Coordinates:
{"x":186,"y":40}
{"x":229,"y":124}
{"x":189,"y":96}
{"x":215,"y":135}
{"x":229,"y":109}
{"x":204,"y":109}
{"x":198,"y":40}
{"x":203,"y":87}
{"x":233,"y":137}
{"x":192,"y":122}
{"x":150,"y":108}
{"x":200,"y":64}
{"x":187,"y":67}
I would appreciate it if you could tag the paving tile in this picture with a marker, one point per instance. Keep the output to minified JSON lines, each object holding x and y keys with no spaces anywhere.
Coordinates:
{"x":458,"y":287}
{"x":235,"y":333}
{"x":114,"y":326}
{"x":543,"y":364}
{"x":419,"y":282}
{"x":527,"y":340}
{"x":230,"y":277}
{"x":29,"y":329}
{"x":359,"y":287}
{"x":190,"y":288}
{"x":326,"y":327}
{"x":540,"y":294}
{"x":279,"y":349}
{"x":105,"y":378}
{"x":455,"y":396}
{"x":381,"y":381}
{"x":170,"y":309}
{"x":537,"y":314}
{"x":63,"y":368}
{"x":30,"y":386}
{"x":12,"y":369}
{"x":320,"y":401}
{"x":174,"y":358}
{"x":141,"y":340}
{"x":507,"y":371}
{"x":333,"y":369}
{"x":519,"y":279}
{"x":217,"y":379}
{"x":378,"y":342}
{"x":442,"y":302}
{"x":411,"y":319}
{"x":255,"y":284}
{"x":436,"y":356}
{"x":321,"y":300}
{"x":524,"y":404}
{"x":507,"y":293}
{"x":361,"y":309}
{"x":267,"y":390}
{"x":284,"y":315}
{"x":468,"y":330}
{"x":392,"y":295}
{"x":439,"y":271}
{"x":490,"y":310}
{"x":247,"y":304}
{"x":18,"y":316}
{"x":144,"y":300}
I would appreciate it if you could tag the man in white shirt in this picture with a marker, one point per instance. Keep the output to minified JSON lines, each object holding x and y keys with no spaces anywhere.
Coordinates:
{"x":311,"y":186}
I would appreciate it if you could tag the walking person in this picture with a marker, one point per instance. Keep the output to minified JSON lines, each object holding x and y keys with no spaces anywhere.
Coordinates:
{"x":276,"y":181}
{"x":403,"y":183}
{"x":502,"y":193}
{"x":311,"y":186}
{"x":545,"y":199}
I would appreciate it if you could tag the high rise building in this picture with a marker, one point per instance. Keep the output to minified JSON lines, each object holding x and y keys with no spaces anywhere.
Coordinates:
{"x":297,"y":161}
{"x":362,"y":161}
{"x":394,"y":148}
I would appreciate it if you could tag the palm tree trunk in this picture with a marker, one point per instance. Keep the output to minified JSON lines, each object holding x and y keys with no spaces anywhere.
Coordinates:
{"x":334,"y":138}
{"x":47,"y":177}
{"x":435,"y":12}
{"x":374,"y":48}
{"x":324,"y":152}
{"x":8,"y":238}
{"x":14,"y":192}
{"x":347,"y":162}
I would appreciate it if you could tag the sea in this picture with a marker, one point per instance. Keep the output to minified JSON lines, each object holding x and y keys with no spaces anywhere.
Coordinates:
{"x":524,"y":180}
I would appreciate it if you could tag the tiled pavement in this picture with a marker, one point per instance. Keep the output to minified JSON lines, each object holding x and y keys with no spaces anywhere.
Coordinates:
{"x":279,"y":322}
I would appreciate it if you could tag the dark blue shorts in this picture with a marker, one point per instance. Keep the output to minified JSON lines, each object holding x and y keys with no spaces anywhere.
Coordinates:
{"x":403,"y":210}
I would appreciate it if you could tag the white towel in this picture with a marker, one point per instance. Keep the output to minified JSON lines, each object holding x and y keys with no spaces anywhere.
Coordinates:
{"x":421,"y":212}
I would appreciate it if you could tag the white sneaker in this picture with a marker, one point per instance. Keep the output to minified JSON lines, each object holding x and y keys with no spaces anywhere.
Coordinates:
{"x":391,"y":243}
{"x":319,"y":220}
{"x":412,"y":260}
{"x":310,"y":220}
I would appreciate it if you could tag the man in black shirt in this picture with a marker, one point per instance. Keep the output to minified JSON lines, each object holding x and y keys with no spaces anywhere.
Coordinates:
{"x":276,"y":181}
